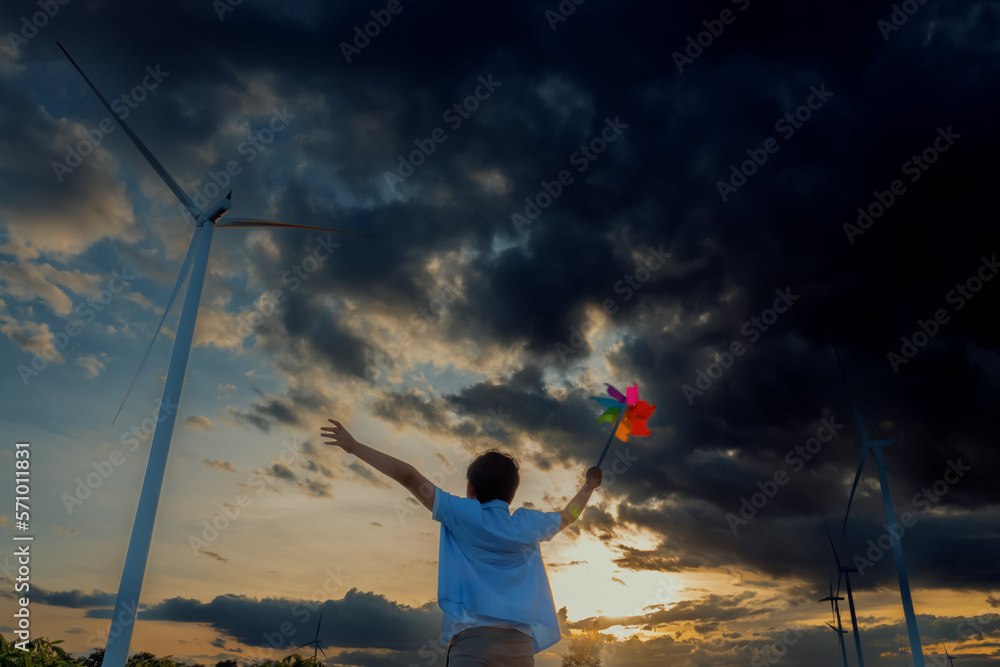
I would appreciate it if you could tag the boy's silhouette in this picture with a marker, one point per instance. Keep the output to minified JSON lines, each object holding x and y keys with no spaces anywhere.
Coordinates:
{"x":492,"y":586}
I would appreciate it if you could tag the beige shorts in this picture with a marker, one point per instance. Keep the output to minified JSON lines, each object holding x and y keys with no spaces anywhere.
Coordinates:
{"x":490,"y":647}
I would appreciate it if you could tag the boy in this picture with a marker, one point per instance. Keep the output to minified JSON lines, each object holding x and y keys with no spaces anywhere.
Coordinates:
{"x":492,"y":586}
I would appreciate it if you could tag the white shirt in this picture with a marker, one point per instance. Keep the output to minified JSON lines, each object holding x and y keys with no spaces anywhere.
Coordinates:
{"x":490,"y":569}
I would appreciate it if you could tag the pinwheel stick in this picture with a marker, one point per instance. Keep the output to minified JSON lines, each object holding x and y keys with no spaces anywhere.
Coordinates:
{"x":613,"y":431}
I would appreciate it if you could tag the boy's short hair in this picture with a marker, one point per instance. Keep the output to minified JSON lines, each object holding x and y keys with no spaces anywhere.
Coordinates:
{"x":494,"y":475}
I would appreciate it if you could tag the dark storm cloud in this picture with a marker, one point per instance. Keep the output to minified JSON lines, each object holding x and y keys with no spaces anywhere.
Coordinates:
{"x":709,"y":608}
{"x":359,"y":619}
{"x":701,"y":487}
{"x":272,"y":410}
{"x":282,"y":472}
{"x":377,"y":631}
{"x":74,"y":599}
{"x":412,"y":409}
{"x":654,"y":187}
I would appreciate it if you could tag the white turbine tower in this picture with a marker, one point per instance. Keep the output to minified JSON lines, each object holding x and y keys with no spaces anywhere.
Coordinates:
{"x":890,"y":516}
{"x":315,"y":643}
{"x":196,"y":260}
{"x":835,"y":607}
{"x":845,"y":571}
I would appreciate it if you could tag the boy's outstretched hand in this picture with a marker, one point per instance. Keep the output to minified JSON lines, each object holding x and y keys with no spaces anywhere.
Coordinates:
{"x":339,"y":436}
{"x":594,"y":477}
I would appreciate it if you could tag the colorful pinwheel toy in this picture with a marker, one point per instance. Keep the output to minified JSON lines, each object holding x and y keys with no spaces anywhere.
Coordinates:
{"x":628,"y":413}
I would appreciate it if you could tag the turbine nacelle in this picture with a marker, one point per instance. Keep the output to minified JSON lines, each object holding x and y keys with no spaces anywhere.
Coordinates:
{"x":837,"y":630}
{"x":221,"y":208}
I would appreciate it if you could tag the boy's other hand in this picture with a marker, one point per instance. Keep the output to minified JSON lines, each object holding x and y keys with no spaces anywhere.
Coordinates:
{"x":338,"y":435}
{"x":594,"y":477}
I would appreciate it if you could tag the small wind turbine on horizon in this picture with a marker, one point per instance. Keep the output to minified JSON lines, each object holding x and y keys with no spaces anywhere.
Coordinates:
{"x":890,"y":516}
{"x":316,"y":641}
{"x":906,"y":663}
{"x":951,"y":658}
{"x":846,"y":571}
{"x":195,"y":261}
{"x":834,"y":607}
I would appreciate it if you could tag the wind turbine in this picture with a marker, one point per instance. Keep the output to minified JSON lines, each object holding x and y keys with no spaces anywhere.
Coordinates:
{"x":846,"y":572}
{"x":315,"y":642}
{"x":890,"y":515}
{"x":195,"y":261}
{"x":906,"y":662}
{"x":951,"y":658}
{"x":840,"y":628}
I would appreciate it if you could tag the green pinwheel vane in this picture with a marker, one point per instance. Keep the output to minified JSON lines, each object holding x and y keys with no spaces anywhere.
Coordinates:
{"x":628,"y":413}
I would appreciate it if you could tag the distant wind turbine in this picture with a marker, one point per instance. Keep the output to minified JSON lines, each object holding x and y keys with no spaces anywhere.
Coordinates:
{"x":890,"y":515}
{"x":315,"y":643}
{"x":951,"y":658}
{"x":195,"y":261}
{"x":840,"y":627}
{"x":906,"y":663}
{"x":846,"y":572}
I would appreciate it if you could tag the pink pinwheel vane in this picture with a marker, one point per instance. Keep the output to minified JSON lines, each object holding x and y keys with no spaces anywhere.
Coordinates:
{"x":628,"y":413}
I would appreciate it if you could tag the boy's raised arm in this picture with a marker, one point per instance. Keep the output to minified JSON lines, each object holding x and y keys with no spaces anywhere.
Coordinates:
{"x":580,"y":500}
{"x":402,"y":472}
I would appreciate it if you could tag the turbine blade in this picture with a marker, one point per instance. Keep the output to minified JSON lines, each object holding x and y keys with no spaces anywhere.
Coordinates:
{"x":857,"y":413}
{"x":834,"y":549}
{"x":861,"y":465}
{"x":857,"y":416}
{"x":185,"y":267}
{"x":323,"y":652}
{"x":830,"y":581}
{"x":171,"y":183}
{"x":318,"y":623}
{"x":247,"y":222}
{"x":303,"y":646}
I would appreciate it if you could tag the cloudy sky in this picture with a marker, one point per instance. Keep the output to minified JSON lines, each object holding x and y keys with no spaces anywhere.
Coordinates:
{"x":700,"y":198}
